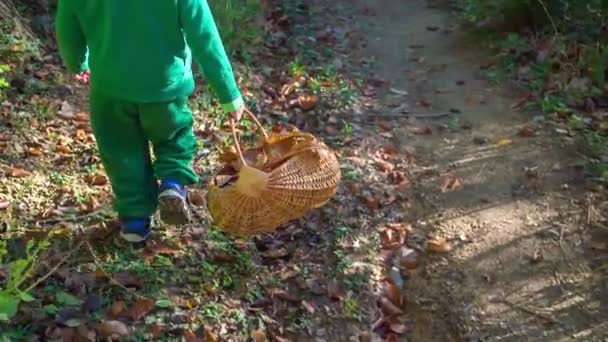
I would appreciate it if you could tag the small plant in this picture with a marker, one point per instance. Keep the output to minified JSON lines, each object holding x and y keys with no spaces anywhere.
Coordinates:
{"x":19,"y":271}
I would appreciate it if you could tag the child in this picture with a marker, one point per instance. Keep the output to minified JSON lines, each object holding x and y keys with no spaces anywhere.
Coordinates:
{"x":140,"y":54}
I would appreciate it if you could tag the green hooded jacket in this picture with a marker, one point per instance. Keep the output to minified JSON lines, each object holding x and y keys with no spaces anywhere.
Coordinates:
{"x":141,"y":50}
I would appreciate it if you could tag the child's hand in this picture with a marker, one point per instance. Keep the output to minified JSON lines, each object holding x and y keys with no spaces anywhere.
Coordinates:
{"x":83,"y":77}
{"x":237,"y":114}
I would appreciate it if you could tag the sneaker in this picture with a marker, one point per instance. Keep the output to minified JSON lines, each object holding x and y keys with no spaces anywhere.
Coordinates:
{"x":173,"y":204}
{"x":135,"y":230}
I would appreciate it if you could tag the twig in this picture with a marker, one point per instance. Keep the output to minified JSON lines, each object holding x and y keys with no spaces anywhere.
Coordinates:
{"x":542,"y":3}
{"x":100,"y":266}
{"x":71,"y":218}
{"x":531,"y":311}
{"x":55,"y":268}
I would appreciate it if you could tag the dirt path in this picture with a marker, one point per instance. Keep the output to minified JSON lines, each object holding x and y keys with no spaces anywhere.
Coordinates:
{"x":511,"y":204}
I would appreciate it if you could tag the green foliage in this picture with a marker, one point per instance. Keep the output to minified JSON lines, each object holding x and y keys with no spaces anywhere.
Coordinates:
{"x":19,"y":271}
{"x":238,"y":22}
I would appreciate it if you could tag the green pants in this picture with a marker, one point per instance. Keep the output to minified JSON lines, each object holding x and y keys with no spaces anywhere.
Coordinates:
{"x":124,"y":132}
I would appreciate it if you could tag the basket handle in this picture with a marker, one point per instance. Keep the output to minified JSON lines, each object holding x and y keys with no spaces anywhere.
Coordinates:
{"x":237,"y":145}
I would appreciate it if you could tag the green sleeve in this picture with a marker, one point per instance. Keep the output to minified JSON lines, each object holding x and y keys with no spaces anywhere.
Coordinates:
{"x":71,"y":42}
{"x":208,"y":50}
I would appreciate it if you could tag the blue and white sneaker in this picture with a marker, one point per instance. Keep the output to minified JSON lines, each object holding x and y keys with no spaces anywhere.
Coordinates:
{"x":135,"y":230}
{"x":173,"y":204}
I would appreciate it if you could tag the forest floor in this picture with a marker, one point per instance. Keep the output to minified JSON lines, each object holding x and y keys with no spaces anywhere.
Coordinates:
{"x":461,"y":217}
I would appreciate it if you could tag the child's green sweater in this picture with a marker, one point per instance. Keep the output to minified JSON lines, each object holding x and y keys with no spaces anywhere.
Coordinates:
{"x":137,"y":49}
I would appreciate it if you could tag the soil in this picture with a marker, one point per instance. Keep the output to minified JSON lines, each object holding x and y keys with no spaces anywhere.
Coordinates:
{"x":495,"y":181}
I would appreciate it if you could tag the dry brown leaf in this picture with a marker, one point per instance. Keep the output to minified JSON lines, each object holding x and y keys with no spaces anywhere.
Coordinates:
{"x":98,"y":180}
{"x":393,"y":293}
{"x":450,"y":183}
{"x":408,"y":258}
{"x":84,"y":334}
{"x":388,"y":308}
{"x":309,"y":307}
{"x":100,"y":275}
{"x":141,"y":308}
{"x":82,"y":117}
{"x":426,"y":130}
{"x":504,"y":142}
{"x":36,"y":152}
{"x":190,"y":336}
{"x":354,"y":188}
{"x":127,"y":279}
{"x":398,"y":328}
{"x":112,"y":329}
{"x":117,"y":308}
{"x":258,"y":335}
{"x":526,"y":132}
{"x":156,"y":330}
{"x":17,"y":173}
{"x":197,"y":198}
{"x":335,"y":290}
{"x":372,"y":203}
{"x":307,"y":102}
{"x":384,"y":166}
{"x":392,"y":338}
{"x":438,"y":245}
{"x":65,"y":149}
{"x":210,"y":336}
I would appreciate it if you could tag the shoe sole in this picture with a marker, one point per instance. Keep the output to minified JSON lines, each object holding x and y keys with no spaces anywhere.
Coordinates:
{"x":132,"y":237}
{"x":173,"y":208}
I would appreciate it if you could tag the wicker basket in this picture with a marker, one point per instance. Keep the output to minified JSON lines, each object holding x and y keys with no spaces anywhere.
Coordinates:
{"x":280,"y":179}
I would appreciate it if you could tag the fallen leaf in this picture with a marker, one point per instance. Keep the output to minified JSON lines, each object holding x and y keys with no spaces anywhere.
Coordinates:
{"x":354,"y":188}
{"x":85,"y":334}
{"x":438,"y":245}
{"x":276,"y":253}
{"x":142,"y":307}
{"x":66,"y":110}
{"x":197,"y":198}
{"x":537,"y":256}
{"x":393,"y":293}
{"x":190,"y":336}
{"x":82,"y":117}
{"x":450,"y":183}
{"x":210,"y":336}
{"x":127,"y":279}
{"x":117,"y":308}
{"x":157,"y":330}
{"x":335,"y":290}
{"x":407,"y":258}
{"x":307,"y":102}
{"x":309,"y":307}
{"x":388,"y":308}
{"x":314,"y":286}
{"x":526,"y":132}
{"x":372,"y":203}
{"x":504,"y":142}
{"x":398,"y":328}
{"x":392,"y":338}
{"x":64,"y":149}
{"x":33,"y":151}
{"x":69,"y":316}
{"x":384,"y":166}
{"x":112,"y":329}
{"x":426,"y":130}
{"x":17,"y":173}
{"x":98,"y":180}
{"x":398,"y":91}
{"x":258,"y":335}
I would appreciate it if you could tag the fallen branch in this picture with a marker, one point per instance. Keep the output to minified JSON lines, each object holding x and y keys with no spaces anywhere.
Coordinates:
{"x":98,"y":264}
{"x":531,"y":311}
{"x":55,"y":268}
